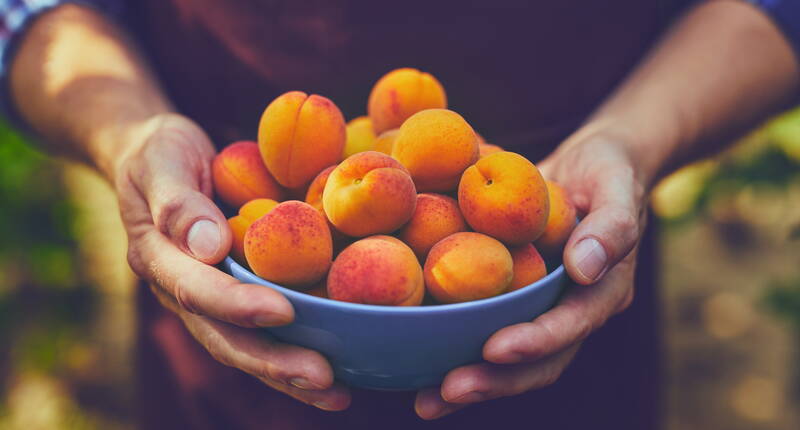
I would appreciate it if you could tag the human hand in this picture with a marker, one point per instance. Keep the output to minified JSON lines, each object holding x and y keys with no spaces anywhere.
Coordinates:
{"x":598,"y":172}
{"x":175,"y":232}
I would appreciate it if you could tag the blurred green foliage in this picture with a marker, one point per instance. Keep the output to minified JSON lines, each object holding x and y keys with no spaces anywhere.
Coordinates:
{"x":45,"y":302}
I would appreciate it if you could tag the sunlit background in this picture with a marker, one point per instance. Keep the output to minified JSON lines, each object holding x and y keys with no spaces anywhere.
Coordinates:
{"x":730,"y":264}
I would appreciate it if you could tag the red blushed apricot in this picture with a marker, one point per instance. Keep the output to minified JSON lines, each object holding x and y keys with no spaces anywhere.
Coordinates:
{"x":314,"y":198}
{"x":291,"y":245}
{"x":360,"y":136}
{"x":314,"y":193}
{"x":369,"y":193}
{"x":529,"y":266}
{"x":560,"y":223}
{"x":378,"y":270}
{"x":240,"y":175}
{"x":436,"y":145}
{"x":435,"y":218}
{"x":504,"y":195}
{"x":485,"y":149}
{"x":238,"y":225}
{"x":299,"y":135}
{"x":248,"y":213}
{"x":400,"y":94}
{"x":467,"y":266}
{"x":385,"y":142}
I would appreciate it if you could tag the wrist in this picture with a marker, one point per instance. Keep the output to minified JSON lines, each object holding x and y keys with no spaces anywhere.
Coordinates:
{"x":649,"y":143}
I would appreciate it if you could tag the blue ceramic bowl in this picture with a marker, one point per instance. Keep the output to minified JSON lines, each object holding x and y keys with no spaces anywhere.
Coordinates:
{"x":403,"y":348}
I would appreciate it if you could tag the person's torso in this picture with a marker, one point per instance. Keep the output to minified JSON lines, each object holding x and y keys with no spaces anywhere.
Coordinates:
{"x":512,"y":68}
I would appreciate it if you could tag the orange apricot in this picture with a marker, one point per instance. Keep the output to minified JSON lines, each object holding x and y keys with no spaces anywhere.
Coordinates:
{"x":400,"y":94}
{"x":369,"y":193}
{"x":485,"y":149}
{"x":529,"y":266}
{"x":360,"y":136}
{"x":299,"y":135}
{"x":239,"y":175}
{"x":560,"y":223}
{"x":385,"y":142}
{"x":291,"y":245}
{"x":468,"y":266}
{"x":504,"y":195}
{"x":378,"y":270}
{"x":435,"y":218}
{"x":248,"y":213}
{"x":436,"y":146}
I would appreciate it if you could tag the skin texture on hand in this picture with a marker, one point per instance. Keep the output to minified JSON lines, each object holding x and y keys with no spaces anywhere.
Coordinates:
{"x":175,"y":232}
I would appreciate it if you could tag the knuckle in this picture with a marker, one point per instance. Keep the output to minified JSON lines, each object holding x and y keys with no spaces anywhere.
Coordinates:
{"x":270,"y":371}
{"x":626,"y":221}
{"x":626,"y":301}
{"x":134,"y":257}
{"x":550,"y":377}
{"x":185,"y":299}
{"x":167,"y":210}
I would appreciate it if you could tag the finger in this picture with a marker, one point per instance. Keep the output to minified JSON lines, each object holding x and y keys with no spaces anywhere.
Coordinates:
{"x":429,"y":404}
{"x":173,"y":178}
{"x":608,"y":232}
{"x":335,"y":398}
{"x":301,"y":373}
{"x":203,"y":289}
{"x":582,"y":311}
{"x":486,"y":381}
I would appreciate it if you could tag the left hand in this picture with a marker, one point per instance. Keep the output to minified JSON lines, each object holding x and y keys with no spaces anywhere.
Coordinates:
{"x":599,"y":173}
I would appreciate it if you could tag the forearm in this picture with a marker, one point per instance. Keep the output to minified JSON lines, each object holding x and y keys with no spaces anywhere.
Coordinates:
{"x":80,"y":83}
{"x":719,"y":70}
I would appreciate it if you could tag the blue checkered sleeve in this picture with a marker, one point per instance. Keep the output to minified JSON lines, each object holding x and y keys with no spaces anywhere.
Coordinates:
{"x":15,"y":17}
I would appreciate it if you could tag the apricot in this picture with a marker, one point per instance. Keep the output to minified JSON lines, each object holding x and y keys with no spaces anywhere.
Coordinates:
{"x":299,"y":135}
{"x":435,"y":218}
{"x":504,"y":195}
{"x":291,"y":245}
{"x":468,"y":266}
{"x":314,"y":198}
{"x":360,"y":136}
{"x":239,"y":175}
{"x":485,"y":149}
{"x":378,"y":270}
{"x":385,"y":142}
{"x":314,"y":193}
{"x":436,"y":146}
{"x":320,"y":289}
{"x":400,"y":94}
{"x":369,"y":193}
{"x":529,"y":266}
{"x":248,"y":213}
{"x":560,"y":223}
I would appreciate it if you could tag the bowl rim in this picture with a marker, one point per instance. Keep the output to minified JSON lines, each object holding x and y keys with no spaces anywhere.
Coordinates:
{"x":294,"y":295}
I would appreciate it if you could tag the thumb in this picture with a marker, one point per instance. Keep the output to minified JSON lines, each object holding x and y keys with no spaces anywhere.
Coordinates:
{"x":607,"y":233}
{"x":172,"y":185}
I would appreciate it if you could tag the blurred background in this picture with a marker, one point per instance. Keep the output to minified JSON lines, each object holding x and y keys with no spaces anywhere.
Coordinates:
{"x":730,"y":287}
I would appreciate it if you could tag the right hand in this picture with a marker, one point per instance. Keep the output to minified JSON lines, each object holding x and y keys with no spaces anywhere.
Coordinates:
{"x":175,"y":234}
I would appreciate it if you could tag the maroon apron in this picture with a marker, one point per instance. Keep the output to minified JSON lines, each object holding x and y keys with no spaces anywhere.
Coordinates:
{"x":523,"y":73}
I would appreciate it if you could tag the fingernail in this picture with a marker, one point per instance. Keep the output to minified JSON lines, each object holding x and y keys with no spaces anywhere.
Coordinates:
{"x":430,"y":412}
{"x":470,"y":397}
{"x":591,"y":258}
{"x":270,"y":320}
{"x":302,"y":383}
{"x":323,"y":405}
{"x":203,"y":239}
